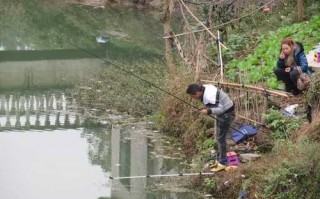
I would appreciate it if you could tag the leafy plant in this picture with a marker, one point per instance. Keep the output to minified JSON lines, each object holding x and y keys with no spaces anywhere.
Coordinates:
{"x":282,"y":127}
{"x":258,"y":66}
{"x":296,"y":174}
{"x":210,"y":183}
{"x":209,"y":143}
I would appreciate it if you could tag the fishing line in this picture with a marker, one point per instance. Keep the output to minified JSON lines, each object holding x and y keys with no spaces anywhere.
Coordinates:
{"x":112,"y":80}
{"x":159,"y":88}
{"x":132,"y":74}
{"x":146,"y":81}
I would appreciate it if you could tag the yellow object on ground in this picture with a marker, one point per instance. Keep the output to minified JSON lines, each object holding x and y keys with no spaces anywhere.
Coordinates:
{"x":213,"y":164}
{"x":219,"y":167}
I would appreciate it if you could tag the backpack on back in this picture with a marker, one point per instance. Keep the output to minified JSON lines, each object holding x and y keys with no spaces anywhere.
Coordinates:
{"x":303,"y":81}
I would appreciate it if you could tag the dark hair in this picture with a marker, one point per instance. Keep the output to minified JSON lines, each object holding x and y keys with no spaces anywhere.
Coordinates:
{"x":194,"y":88}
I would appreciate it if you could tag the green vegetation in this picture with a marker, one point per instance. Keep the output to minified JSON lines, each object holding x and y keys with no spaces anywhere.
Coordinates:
{"x":290,"y":170}
{"x":281,"y":126}
{"x":294,"y":173}
{"x":258,"y":66}
{"x":285,"y":170}
{"x":209,"y":183}
{"x":115,"y":89}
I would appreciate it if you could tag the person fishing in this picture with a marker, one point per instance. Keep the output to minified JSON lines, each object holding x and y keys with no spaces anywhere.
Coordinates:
{"x":217,"y":103}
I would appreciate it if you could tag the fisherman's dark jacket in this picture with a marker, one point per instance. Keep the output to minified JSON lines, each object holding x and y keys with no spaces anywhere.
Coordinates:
{"x":299,"y":57}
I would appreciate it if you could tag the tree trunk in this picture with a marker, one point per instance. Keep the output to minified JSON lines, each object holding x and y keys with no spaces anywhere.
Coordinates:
{"x":300,"y":8}
{"x":167,"y":10}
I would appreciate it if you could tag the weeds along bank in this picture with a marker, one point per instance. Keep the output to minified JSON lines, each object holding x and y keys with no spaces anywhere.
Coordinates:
{"x":256,"y":68}
{"x":286,"y":167}
{"x":118,"y":89}
{"x":114,"y":89}
{"x":290,"y":171}
{"x":289,"y":168}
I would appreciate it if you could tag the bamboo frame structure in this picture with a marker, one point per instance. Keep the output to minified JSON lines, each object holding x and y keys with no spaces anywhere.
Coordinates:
{"x":249,"y":87}
{"x":251,"y":102}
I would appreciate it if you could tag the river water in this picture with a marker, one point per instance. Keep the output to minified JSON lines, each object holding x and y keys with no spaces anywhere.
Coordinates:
{"x":47,"y":147}
{"x":49,"y":150}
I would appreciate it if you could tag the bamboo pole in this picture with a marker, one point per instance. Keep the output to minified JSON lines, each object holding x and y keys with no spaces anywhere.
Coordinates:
{"x":183,"y":56}
{"x":220,"y":57}
{"x":205,"y":27}
{"x":246,"y":105}
{"x":255,"y":103}
{"x":265,"y":106}
{"x":243,"y":117}
{"x":222,"y":24}
{"x":208,"y":58}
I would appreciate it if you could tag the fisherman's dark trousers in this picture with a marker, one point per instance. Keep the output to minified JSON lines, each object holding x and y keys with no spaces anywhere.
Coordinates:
{"x":223,"y":125}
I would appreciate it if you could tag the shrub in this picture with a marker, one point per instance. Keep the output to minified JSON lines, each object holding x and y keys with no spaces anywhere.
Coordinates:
{"x":281,"y":126}
{"x":296,"y":173}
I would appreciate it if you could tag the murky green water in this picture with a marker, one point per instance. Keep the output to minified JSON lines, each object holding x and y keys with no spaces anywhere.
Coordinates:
{"x":47,"y":148}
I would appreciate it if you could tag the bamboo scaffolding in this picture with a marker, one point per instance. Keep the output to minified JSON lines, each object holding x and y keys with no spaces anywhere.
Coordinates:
{"x":249,"y":107}
{"x":243,"y":86}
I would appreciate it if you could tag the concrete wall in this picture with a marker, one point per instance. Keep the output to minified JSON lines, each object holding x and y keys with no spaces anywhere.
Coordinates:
{"x":46,"y":73}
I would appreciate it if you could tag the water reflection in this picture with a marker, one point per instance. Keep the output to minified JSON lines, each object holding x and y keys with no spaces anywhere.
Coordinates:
{"x":47,"y":148}
{"x":137,"y":151}
{"x":37,"y":111}
{"x":99,"y":145}
{"x":70,"y":155}
{"x":36,"y":74}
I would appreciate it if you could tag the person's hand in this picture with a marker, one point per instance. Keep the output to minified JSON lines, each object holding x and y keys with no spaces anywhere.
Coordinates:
{"x":204,"y":111}
{"x":287,"y":69}
{"x":282,"y":55}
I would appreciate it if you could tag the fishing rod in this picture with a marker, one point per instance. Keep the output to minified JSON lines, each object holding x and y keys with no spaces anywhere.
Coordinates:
{"x":146,"y":81}
{"x":165,"y":175}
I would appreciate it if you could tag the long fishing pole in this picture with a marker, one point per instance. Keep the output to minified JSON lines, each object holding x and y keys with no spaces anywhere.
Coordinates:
{"x":165,"y":175}
{"x":168,"y":93}
{"x":146,"y":81}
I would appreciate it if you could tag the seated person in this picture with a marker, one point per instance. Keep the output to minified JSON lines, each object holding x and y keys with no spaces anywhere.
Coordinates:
{"x":291,"y":55}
